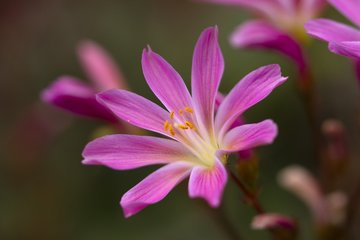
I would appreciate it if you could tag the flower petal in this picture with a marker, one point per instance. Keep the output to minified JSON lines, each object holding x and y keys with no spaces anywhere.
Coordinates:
{"x":261,"y":34}
{"x":134,"y":109}
{"x":207,"y":70}
{"x":331,"y":31}
{"x":273,"y":221}
{"x":348,"y":49}
{"x":252,"y":89}
{"x":249,"y":136}
{"x":72,"y":95}
{"x":165,"y":82}
{"x":123,"y":152}
{"x":153,"y":188}
{"x":309,"y":8}
{"x":350,"y":8}
{"x":100,"y":67}
{"x":208,"y":183}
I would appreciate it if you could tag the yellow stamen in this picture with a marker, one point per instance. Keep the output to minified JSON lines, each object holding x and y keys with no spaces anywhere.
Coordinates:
{"x":171,"y":114}
{"x":181,"y":126}
{"x":189,"y":124}
{"x":166,"y":125}
{"x":171,"y":130}
{"x":181,"y":111}
{"x":189,"y":109}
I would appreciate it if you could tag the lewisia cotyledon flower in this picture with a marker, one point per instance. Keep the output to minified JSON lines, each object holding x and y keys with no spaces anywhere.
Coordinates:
{"x":326,"y":208}
{"x":343,"y":39}
{"x":279,"y":27}
{"x":198,"y":140}
{"x":77,"y":97}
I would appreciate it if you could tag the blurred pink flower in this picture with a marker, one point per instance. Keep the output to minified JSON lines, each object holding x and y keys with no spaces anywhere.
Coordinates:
{"x":278,"y":27}
{"x":343,"y":39}
{"x":200,"y":139}
{"x":271,"y":221}
{"x":77,"y":97}
{"x":326,"y":209}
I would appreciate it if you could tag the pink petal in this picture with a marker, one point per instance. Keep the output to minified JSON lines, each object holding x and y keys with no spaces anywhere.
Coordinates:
{"x":253,"y":88}
{"x":249,"y":136}
{"x":350,"y":8}
{"x":100,"y":67}
{"x":272,"y":221}
{"x":134,"y":109}
{"x":261,"y":34}
{"x":208,"y":183}
{"x":165,"y":82}
{"x":311,"y":7}
{"x":123,"y":152}
{"x":331,"y":31}
{"x":207,"y":70}
{"x":348,"y":49}
{"x":70,"y":94}
{"x":153,"y":188}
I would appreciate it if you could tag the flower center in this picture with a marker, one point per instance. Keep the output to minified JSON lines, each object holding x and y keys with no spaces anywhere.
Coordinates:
{"x":183,"y":125}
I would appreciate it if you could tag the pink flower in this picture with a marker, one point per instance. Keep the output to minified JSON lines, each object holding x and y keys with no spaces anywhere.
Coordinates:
{"x":326,"y":209}
{"x":343,"y":39}
{"x":73,"y":95}
{"x":279,"y":27}
{"x":198,"y":140}
{"x":273,"y":221}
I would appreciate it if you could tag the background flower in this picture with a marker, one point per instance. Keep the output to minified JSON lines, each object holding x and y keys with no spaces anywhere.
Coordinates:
{"x":279,"y":25}
{"x":343,"y":39}
{"x":77,"y":97}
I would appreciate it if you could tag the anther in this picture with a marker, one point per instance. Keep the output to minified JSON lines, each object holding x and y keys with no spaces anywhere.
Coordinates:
{"x":171,"y":114}
{"x":181,"y":111}
{"x":184,"y":127}
{"x":166,"y":125}
{"x":171,"y":130}
{"x":189,"y":124}
{"x":189,"y":109}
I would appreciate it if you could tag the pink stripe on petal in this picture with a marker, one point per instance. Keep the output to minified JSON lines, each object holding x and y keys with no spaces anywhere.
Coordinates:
{"x":350,"y":8}
{"x":331,"y":31}
{"x":208,"y":183}
{"x":153,"y":188}
{"x":261,"y":34}
{"x":165,"y":82}
{"x":207,"y":70}
{"x":249,"y":136}
{"x":135,"y":109}
{"x":123,"y":152}
{"x":348,"y":49}
{"x":250,"y":90}
{"x":70,"y":94}
{"x":100,"y":67}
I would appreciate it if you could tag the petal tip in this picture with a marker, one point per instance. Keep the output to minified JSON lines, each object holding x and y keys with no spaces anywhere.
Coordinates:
{"x":89,"y":162}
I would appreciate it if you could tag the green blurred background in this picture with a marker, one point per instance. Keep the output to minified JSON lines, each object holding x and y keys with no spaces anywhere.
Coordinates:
{"x":45,"y":193}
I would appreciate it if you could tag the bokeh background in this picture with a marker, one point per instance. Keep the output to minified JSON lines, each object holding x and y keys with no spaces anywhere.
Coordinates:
{"x":45,"y":192}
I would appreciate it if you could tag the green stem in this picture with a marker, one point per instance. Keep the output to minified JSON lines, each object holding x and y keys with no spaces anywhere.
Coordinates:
{"x":252,"y":200}
{"x":223,"y":221}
